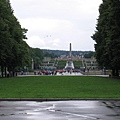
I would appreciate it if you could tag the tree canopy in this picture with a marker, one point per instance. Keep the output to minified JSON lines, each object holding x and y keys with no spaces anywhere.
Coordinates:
{"x":13,"y":50}
{"x":107,"y":36}
{"x":37,"y":55}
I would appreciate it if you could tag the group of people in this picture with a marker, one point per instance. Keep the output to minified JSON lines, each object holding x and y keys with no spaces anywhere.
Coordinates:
{"x":52,"y":72}
{"x":11,"y":73}
{"x":47,"y":72}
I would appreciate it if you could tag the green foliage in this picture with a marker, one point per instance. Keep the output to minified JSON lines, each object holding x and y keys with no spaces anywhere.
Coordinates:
{"x":61,"y":64}
{"x":89,"y":55}
{"x":107,"y":35}
{"x":77,"y":64}
{"x":13,"y":50}
{"x":64,"y":52}
{"x":59,"y":87}
{"x":49,"y":54}
{"x":37,"y":55}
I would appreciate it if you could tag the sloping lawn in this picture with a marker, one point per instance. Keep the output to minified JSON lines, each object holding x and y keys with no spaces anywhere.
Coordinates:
{"x":59,"y":87}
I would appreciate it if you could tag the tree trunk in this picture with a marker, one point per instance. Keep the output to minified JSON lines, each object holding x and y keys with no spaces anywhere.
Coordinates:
{"x":13,"y":71}
{"x":2,"y":70}
{"x":115,"y":72}
{"x":5,"y":72}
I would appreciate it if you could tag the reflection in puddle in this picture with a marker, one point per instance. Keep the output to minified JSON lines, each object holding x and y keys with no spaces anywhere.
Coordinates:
{"x":60,"y":110}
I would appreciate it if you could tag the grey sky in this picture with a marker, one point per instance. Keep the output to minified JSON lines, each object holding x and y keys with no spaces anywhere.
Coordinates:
{"x":53,"y":24}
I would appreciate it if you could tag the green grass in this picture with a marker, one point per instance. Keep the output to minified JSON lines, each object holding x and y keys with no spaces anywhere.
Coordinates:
{"x":62,"y":62}
{"x":78,"y":63}
{"x":59,"y":87}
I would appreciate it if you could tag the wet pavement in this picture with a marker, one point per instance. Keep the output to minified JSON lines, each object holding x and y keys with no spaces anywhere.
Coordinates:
{"x":60,"y":110}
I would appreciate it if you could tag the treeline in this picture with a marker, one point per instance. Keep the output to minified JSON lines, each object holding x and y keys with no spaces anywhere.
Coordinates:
{"x":86,"y":54}
{"x":107,"y":36}
{"x":14,"y":51}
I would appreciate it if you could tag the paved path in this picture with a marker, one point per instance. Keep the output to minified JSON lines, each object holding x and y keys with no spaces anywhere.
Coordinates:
{"x":60,"y":110}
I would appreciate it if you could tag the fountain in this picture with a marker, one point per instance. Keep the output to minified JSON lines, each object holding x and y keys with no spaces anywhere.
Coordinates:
{"x":69,"y":63}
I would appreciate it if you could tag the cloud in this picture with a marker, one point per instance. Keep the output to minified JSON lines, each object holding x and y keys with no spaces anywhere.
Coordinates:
{"x":35,"y":42}
{"x":56,"y":23}
{"x":56,"y":34}
{"x":43,"y":24}
{"x":58,"y":9}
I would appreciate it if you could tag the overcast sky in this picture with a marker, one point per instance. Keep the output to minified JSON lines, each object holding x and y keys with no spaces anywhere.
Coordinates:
{"x":53,"y":24}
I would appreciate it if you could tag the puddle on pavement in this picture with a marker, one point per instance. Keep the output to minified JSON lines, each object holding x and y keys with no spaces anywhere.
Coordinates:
{"x":70,"y":110}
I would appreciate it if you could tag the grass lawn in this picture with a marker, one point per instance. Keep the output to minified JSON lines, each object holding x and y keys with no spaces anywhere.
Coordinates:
{"x":59,"y":87}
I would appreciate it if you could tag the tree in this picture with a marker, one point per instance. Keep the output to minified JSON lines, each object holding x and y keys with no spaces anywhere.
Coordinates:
{"x":89,"y":55}
{"x":5,"y":37}
{"x":13,"y":50}
{"x":37,"y":55}
{"x":107,"y":36}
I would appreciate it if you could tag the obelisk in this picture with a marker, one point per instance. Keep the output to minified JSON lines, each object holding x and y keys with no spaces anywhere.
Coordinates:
{"x":69,"y":63}
{"x":70,"y":54}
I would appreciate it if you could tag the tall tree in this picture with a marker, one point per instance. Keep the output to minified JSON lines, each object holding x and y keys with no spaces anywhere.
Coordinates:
{"x":5,"y":37}
{"x":107,"y":36}
{"x":13,"y":50}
